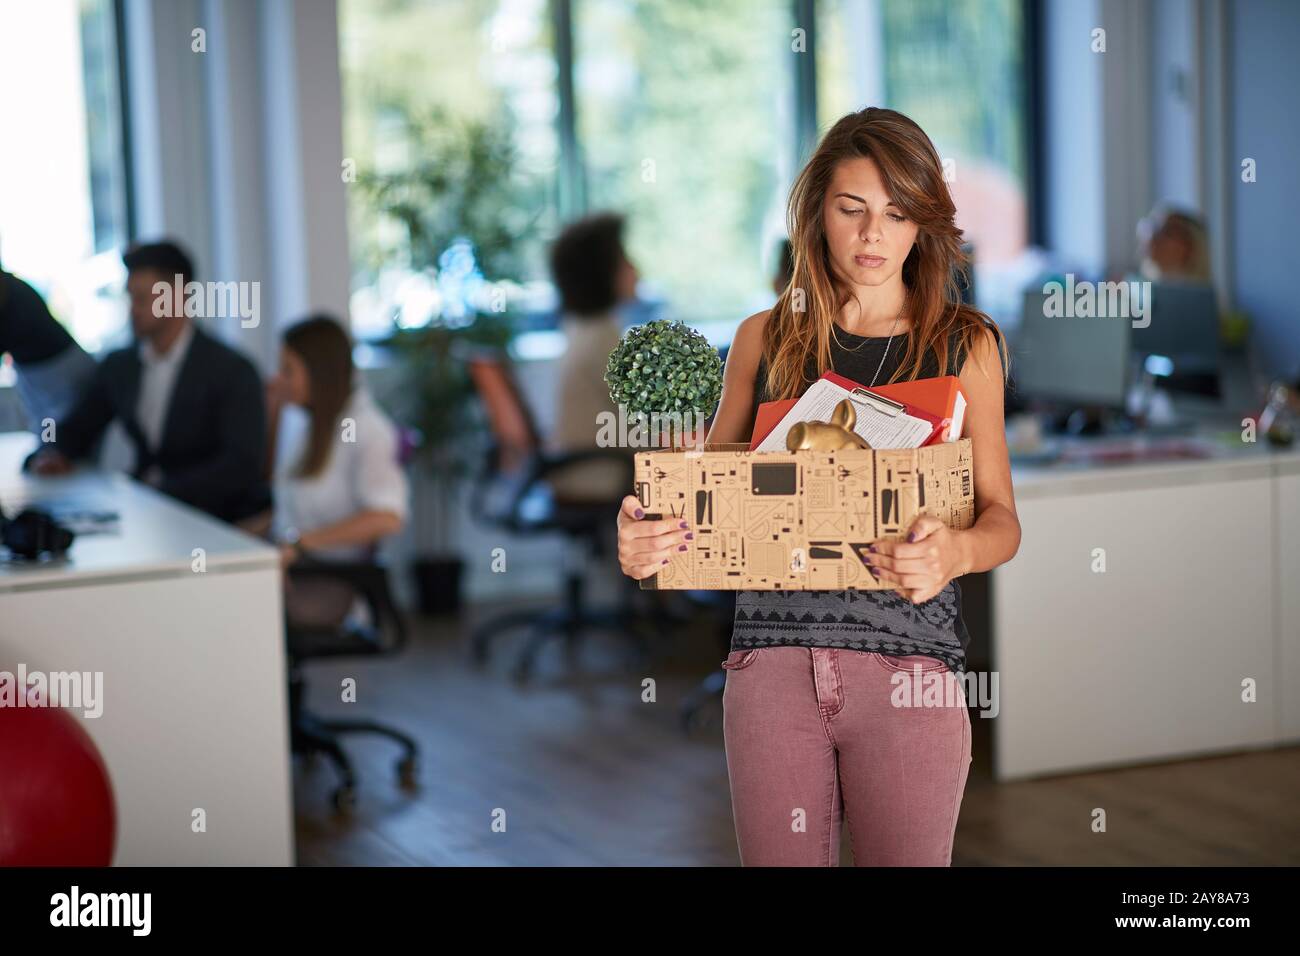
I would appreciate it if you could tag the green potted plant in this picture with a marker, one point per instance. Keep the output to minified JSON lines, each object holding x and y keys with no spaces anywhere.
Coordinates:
{"x":461,"y":208}
{"x":436,"y":399}
{"x":668,"y":378}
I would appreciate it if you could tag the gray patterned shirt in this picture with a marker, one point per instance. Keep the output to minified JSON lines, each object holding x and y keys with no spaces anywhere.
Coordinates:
{"x":880,"y":621}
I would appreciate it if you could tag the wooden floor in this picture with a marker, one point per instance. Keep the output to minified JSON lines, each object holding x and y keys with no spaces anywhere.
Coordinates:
{"x":583,"y":772}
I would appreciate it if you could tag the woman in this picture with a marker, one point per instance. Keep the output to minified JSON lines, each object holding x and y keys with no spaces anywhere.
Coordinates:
{"x":811,"y":732}
{"x":594,"y":278}
{"x":339,"y":486}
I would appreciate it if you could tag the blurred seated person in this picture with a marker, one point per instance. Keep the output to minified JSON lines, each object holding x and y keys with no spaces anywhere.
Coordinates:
{"x":52,"y":368}
{"x":1173,"y":246}
{"x":339,"y":488}
{"x":192,"y":406}
{"x":593,"y":276}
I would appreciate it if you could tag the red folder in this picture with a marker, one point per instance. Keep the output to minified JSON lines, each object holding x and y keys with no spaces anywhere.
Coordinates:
{"x":929,"y":399}
{"x":941,"y":396}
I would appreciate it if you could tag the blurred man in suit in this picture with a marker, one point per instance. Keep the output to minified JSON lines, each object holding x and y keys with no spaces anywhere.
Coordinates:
{"x":192,"y":407}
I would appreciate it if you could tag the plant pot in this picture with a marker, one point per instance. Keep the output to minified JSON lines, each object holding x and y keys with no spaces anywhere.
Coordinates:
{"x":438,"y":583}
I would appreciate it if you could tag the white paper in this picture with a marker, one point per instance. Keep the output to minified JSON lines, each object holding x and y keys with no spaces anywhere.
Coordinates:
{"x":880,"y":429}
{"x":958,"y":413}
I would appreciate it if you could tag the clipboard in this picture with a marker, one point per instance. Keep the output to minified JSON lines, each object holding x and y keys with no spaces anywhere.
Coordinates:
{"x":889,"y":406}
{"x":867,"y":399}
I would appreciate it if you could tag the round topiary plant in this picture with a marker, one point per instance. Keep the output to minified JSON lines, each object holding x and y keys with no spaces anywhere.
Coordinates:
{"x":665,"y":369}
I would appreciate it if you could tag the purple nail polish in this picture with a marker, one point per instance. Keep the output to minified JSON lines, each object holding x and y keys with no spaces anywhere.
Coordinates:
{"x":683,"y":526}
{"x":874,"y":572}
{"x":681,"y":547}
{"x":665,"y":560}
{"x":690,"y":536}
{"x":871,"y":548}
{"x":911,"y":536}
{"x":639,"y":513}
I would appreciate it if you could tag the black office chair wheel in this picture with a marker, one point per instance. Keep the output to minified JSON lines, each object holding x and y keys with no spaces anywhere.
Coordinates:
{"x":345,"y":798}
{"x":408,"y":773}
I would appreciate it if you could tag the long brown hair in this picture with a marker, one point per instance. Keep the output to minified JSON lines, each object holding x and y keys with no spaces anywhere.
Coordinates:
{"x":913,"y":175}
{"x":323,"y":345}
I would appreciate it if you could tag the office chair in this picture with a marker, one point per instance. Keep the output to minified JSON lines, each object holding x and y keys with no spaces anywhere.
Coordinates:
{"x":517,"y":468}
{"x":385,"y":633}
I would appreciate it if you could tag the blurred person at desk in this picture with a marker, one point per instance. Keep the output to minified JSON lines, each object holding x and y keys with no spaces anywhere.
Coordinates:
{"x":338,"y":482}
{"x":593,"y":276}
{"x":1174,"y":255}
{"x":191,"y":406}
{"x":1173,"y":246}
{"x":52,"y":368}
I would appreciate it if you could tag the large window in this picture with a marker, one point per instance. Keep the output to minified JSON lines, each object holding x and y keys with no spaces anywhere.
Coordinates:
{"x":956,"y":67}
{"x":63,"y":197}
{"x":680,"y":114}
{"x":682,"y":109}
{"x":451,"y":107}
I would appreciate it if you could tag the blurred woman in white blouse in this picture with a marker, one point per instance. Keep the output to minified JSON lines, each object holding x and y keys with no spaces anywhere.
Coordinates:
{"x":338,"y":483}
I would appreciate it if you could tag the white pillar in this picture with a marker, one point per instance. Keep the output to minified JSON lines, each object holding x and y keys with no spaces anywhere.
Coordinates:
{"x":237,"y":151}
{"x":1072,"y":125}
{"x":237,"y":194}
{"x":303,"y":159}
{"x":169,"y":134}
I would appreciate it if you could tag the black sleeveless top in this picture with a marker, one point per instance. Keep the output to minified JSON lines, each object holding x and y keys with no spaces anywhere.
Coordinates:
{"x":879,"y":621}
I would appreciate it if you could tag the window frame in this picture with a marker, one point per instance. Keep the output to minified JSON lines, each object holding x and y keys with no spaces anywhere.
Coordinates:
{"x":128,"y":143}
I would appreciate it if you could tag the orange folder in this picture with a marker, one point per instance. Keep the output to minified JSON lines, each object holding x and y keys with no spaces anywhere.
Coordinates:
{"x":942,"y":397}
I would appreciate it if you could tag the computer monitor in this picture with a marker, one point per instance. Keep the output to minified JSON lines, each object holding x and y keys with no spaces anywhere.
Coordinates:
{"x":1069,"y":360}
{"x":1184,"y":328}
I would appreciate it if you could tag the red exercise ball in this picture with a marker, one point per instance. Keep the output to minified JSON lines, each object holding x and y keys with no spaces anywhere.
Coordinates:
{"x":56,"y":802}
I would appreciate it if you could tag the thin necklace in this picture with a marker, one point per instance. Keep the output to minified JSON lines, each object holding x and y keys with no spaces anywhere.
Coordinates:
{"x":887,"y":344}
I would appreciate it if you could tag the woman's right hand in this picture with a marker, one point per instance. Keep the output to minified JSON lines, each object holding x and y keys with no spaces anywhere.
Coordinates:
{"x":644,"y":547}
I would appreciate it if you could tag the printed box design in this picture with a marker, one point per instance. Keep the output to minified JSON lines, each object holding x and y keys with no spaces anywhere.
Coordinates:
{"x":796,"y":520}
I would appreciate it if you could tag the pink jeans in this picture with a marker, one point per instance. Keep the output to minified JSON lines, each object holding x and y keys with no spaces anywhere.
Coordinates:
{"x":815,"y":734}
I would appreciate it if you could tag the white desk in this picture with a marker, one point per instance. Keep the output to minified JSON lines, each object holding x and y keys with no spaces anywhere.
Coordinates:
{"x":195,"y":712}
{"x":1146,"y":660}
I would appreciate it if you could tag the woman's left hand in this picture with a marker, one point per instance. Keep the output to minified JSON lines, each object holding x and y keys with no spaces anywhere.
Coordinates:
{"x":923,"y":564}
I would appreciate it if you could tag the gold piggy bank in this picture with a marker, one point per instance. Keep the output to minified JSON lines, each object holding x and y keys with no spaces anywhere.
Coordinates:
{"x":827,"y":436}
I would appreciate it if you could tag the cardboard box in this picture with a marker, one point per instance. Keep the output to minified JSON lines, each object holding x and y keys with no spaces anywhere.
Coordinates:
{"x":796,"y":520}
